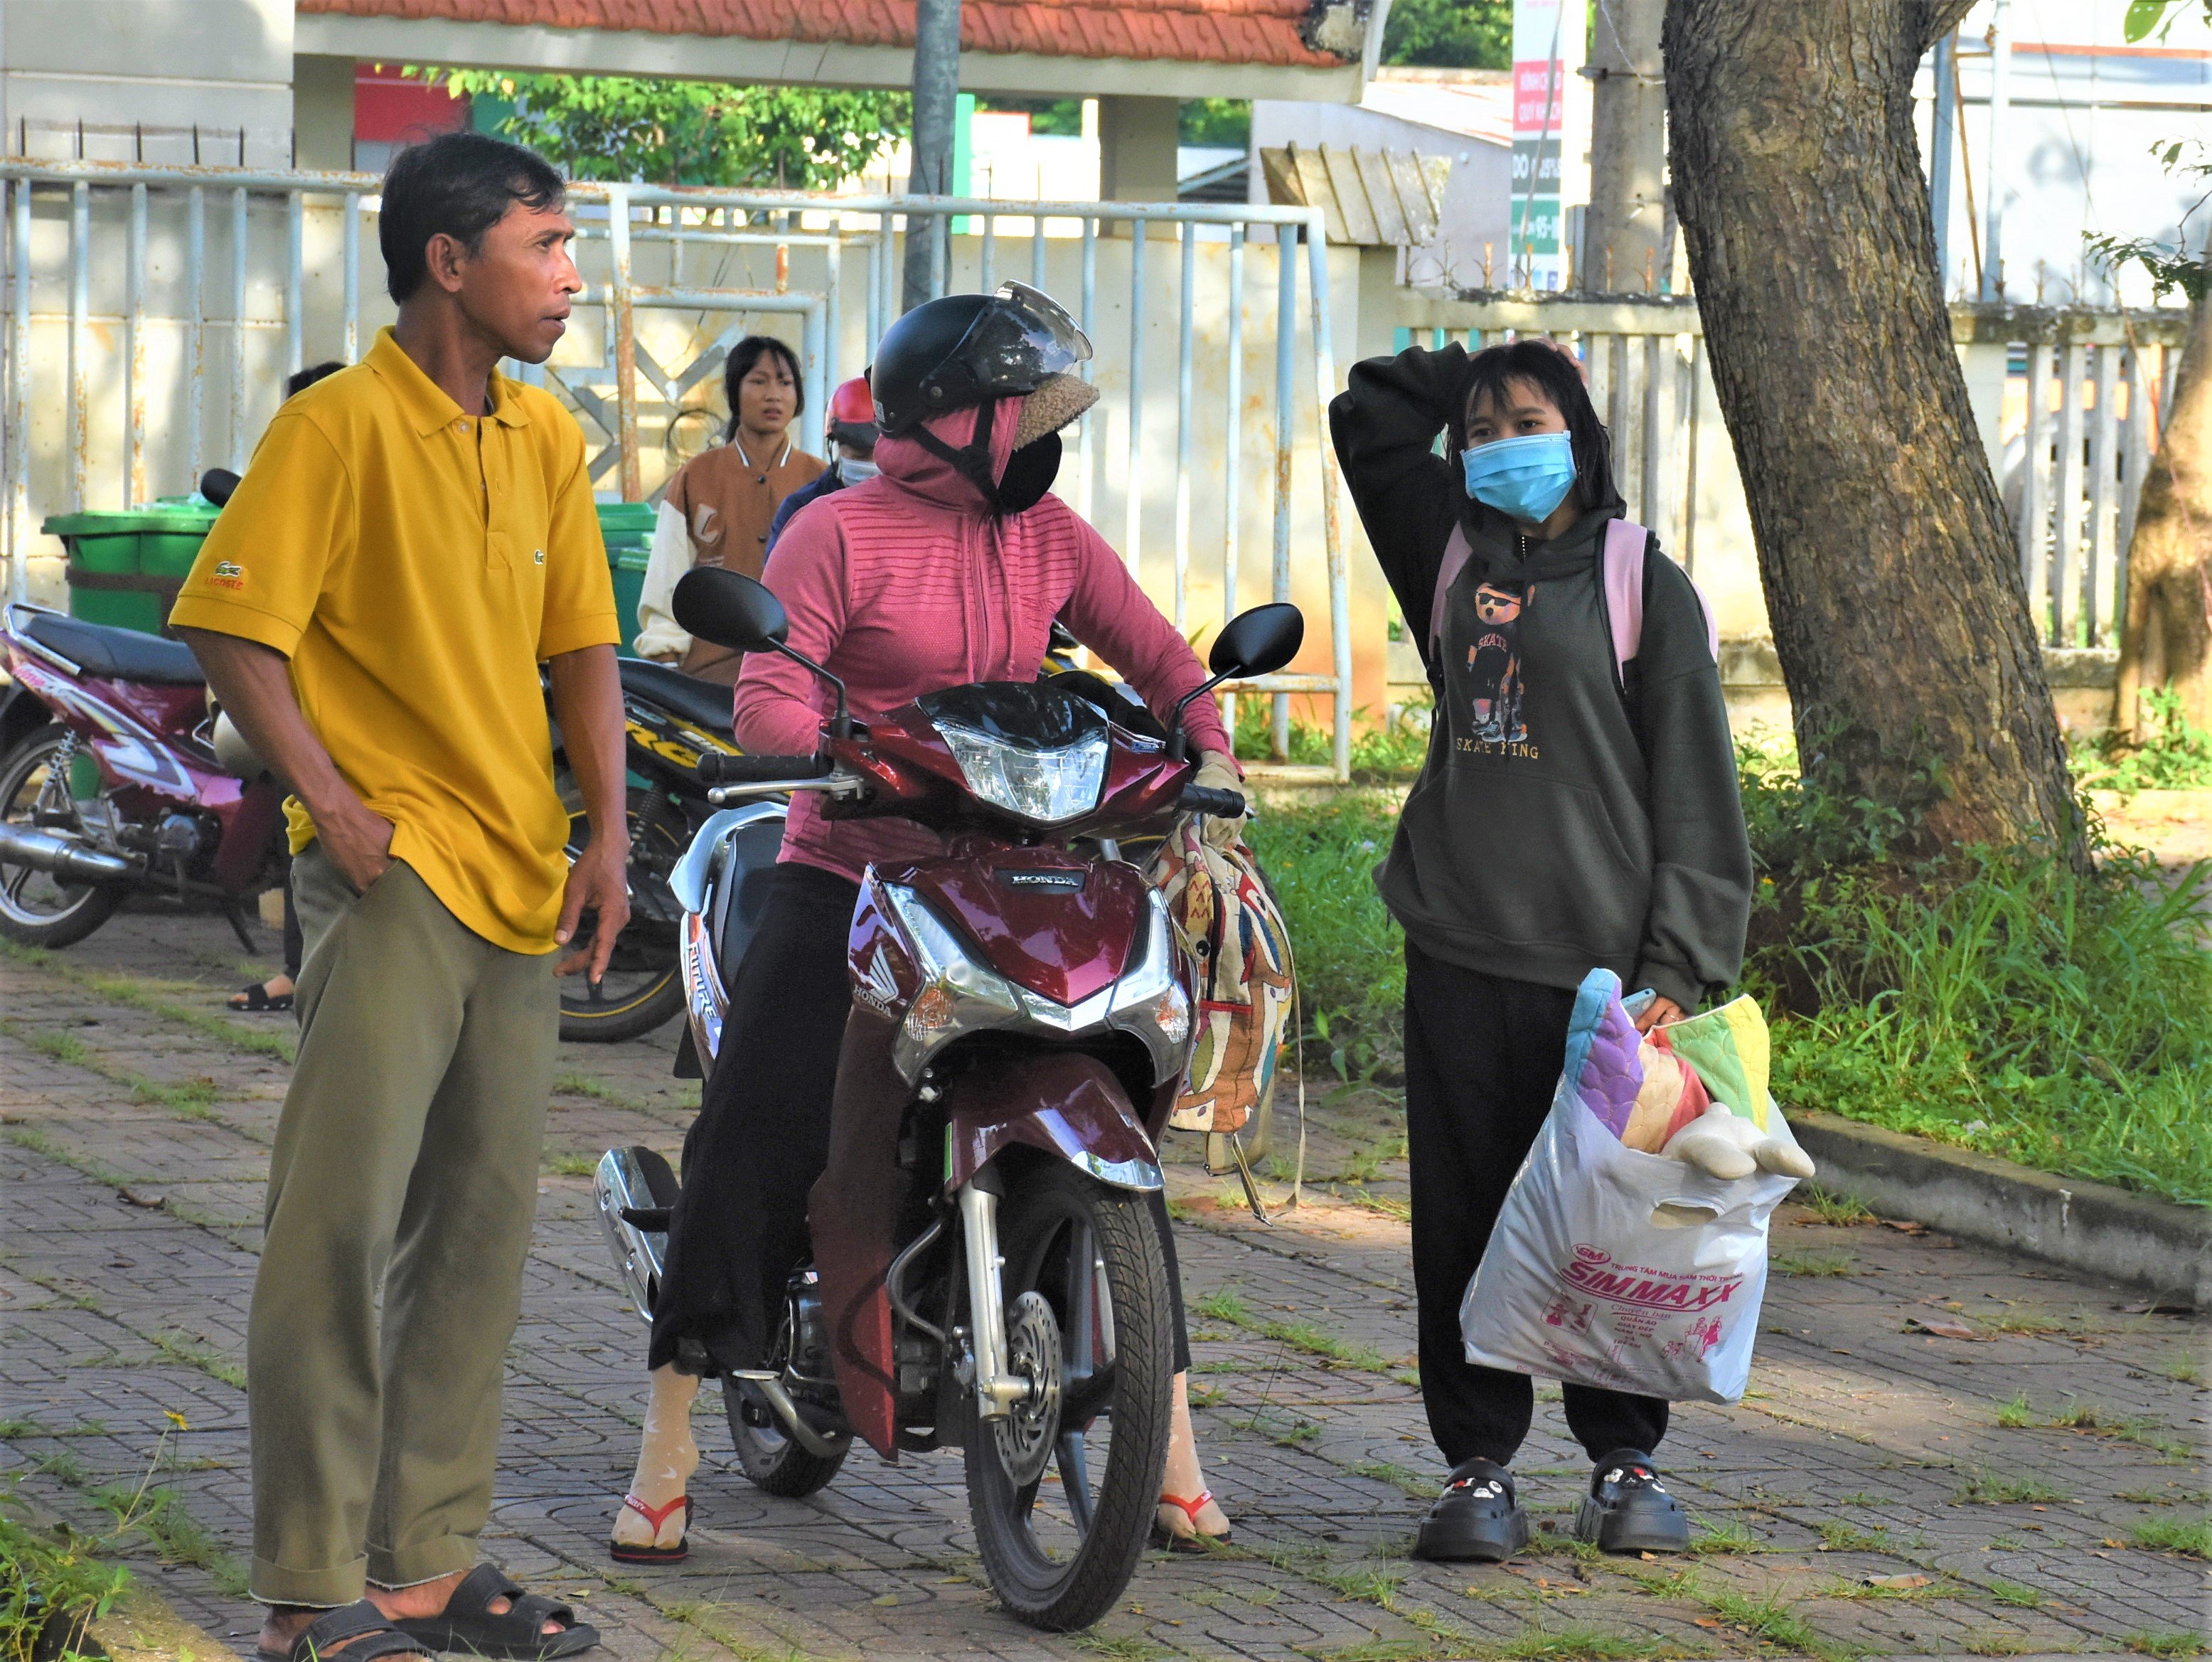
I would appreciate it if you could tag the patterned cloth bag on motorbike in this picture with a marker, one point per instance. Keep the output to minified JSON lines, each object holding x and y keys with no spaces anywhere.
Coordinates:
{"x":1227,"y":918}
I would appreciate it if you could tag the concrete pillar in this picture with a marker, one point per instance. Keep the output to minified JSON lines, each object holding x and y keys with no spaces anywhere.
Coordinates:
{"x":1137,"y":148}
{"x":322,"y":113}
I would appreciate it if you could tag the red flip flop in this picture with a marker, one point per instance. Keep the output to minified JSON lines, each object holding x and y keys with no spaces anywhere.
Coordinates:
{"x":623,"y":1552}
{"x":1197,"y":1540}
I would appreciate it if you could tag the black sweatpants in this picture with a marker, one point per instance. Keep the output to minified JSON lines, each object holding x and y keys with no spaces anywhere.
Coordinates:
{"x":762,"y":1134}
{"x":1482,"y":1058}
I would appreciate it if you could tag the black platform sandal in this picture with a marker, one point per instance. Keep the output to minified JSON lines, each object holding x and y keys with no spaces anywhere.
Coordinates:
{"x":1629,"y":1510}
{"x":1478,"y":1518}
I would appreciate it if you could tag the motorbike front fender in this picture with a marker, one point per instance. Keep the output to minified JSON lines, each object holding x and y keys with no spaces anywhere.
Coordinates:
{"x":1065,"y":1104}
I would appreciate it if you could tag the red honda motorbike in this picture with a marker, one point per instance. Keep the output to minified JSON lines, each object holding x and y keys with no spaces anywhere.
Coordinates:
{"x":985,"y":1273}
{"x":110,"y":783}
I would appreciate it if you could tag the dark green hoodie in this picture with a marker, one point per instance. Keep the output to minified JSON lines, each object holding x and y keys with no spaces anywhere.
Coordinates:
{"x":1558,"y":825}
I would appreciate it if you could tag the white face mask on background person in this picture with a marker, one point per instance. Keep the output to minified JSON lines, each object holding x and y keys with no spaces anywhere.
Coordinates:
{"x":853,"y":471}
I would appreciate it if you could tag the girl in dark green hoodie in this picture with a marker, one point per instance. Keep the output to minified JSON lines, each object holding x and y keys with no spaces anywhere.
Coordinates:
{"x":1577,"y":810}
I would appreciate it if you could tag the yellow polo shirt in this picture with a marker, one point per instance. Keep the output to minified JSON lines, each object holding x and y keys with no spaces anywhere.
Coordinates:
{"x":415,"y":565}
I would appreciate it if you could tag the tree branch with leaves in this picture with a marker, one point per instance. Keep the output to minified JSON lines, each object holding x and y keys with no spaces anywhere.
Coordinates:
{"x":688,"y":132}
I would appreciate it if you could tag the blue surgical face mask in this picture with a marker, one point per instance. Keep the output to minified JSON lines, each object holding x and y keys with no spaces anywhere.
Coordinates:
{"x":1526,"y":477}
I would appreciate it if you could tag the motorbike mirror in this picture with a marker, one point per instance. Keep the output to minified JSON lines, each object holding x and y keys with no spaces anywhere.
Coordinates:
{"x":1255,"y":642}
{"x":730,"y":609}
{"x":217,"y":484}
{"x":1259,"y":641}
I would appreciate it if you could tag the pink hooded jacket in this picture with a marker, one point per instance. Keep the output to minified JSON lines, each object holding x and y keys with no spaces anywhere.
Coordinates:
{"x":905,"y":584}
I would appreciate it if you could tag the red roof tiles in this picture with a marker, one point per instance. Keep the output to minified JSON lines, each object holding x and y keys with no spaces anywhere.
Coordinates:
{"x":1184,"y":31}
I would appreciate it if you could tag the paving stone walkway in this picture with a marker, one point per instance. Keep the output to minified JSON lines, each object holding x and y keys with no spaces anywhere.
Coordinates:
{"x":2036,"y":1487}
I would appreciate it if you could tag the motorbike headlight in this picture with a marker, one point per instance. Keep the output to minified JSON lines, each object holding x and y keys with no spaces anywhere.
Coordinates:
{"x":1047,"y":786}
{"x":958,"y":994}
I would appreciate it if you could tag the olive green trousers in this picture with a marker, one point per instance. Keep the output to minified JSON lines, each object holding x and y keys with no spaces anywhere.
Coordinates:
{"x":406,"y":1163}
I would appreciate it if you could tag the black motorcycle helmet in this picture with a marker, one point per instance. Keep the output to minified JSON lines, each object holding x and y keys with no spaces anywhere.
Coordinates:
{"x":961,"y":350}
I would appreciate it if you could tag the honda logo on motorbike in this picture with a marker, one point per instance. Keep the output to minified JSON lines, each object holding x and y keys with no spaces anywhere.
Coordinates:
{"x":1044,"y":879}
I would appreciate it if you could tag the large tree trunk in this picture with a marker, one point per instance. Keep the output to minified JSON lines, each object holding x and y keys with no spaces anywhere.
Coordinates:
{"x":2167,"y":643}
{"x":1898,"y":608}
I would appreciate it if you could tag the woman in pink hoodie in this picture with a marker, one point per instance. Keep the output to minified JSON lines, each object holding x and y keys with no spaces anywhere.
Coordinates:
{"x":947,"y":568}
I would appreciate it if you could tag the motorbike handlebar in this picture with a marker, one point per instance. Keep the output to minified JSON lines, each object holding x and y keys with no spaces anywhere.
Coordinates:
{"x":1219,"y":804}
{"x":716,"y":768}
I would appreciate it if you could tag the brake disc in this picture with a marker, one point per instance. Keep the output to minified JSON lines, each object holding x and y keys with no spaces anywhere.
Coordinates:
{"x":1025,"y":1434}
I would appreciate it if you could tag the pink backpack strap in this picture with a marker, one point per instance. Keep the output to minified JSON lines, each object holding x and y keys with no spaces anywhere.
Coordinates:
{"x":1625,"y":544}
{"x":1456,"y":555}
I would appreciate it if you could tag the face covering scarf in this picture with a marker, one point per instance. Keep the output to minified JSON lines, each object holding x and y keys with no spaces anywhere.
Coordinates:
{"x":1525,"y":478}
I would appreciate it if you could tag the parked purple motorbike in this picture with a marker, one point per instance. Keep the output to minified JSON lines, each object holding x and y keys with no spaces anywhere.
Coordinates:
{"x":110,"y":782}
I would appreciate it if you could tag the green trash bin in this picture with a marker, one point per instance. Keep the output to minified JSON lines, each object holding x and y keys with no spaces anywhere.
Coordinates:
{"x":124,"y":568}
{"x":628,"y":528}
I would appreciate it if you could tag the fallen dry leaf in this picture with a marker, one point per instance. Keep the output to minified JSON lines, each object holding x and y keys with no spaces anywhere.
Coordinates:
{"x":140,"y":1197}
{"x":1905,"y":1226}
{"x":1703,"y":1621}
{"x":1898,"y":1581}
{"x":1941,"y":1329}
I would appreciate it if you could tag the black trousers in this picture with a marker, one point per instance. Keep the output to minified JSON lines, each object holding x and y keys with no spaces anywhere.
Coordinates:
{"x":762,"y":1134}
{"x":1482,"y":1058}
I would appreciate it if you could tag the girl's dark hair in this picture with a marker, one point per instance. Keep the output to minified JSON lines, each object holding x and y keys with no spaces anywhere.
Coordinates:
{"x":740,"y":364}
{"x":1546,"y":366}
{"x":461,"y":184}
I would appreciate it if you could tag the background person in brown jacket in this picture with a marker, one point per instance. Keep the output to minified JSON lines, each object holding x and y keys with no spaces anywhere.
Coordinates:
{"x":718,"y":508}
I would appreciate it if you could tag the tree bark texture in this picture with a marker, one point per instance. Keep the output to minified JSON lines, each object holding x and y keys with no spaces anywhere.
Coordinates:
{"x":1898,"y":608}
{"x":2167,"y":643}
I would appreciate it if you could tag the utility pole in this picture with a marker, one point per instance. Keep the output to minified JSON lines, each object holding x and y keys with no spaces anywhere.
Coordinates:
{"x":2000,"y":117}
{"x":936,"y":98}
{"x":1625,"y":231}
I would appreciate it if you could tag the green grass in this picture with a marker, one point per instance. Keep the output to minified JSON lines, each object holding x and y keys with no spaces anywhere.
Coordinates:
{"x":2015,"y":1414}
{"x":2015,"y":1594}
{"x":1350,"y":961}
{"x":565,"y":1164}
{"x":2146,"y":1641}
{"x":1985,"y":1487}
{"x":1992,"y":1000}
{"x":2174,"y":755}
{"x":195,"y":1353}
{"x":1839,"y":1210}
{"x":1725,"y":1538}
{"x":2189,"y":1537}
{"x":1995,"y":1000}
{"x":53,"y":1585}
{"x":1813,"y":1264}
{"x":1382,"y":751}
{"x":1227,"y":1306}
{"x":1407,"y":1480}
{"x":1577,"y":1642}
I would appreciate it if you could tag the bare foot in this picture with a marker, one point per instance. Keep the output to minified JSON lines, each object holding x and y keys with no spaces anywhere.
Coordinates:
{"x":285,"y":1622}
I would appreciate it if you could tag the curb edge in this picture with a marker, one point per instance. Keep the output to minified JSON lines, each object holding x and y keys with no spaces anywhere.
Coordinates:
{"x":2092,"y":1228}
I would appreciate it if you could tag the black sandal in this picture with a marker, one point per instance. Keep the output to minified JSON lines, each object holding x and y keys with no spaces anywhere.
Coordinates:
{"x":257,"y":998}
{"x":515,"y":1635}
{"x":373,"y":1634}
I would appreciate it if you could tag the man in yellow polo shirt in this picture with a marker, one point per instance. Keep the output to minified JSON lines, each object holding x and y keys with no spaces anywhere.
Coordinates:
{"x":414,"y":537}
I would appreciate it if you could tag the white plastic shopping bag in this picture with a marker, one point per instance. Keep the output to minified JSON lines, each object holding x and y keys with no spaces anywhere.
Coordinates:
{"x":1615,"y":1268}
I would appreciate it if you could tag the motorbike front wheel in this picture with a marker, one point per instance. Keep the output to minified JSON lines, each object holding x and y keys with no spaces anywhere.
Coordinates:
{"x":1063,"y":1488}
{"x":37,"y":909}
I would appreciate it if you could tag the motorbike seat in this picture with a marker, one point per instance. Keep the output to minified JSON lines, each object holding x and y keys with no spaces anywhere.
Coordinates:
{"x":702,"y":703}
{"x":118,"y":655}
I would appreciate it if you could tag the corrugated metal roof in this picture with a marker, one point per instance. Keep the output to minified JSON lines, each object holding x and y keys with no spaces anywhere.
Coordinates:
{"x":1387,"y":198}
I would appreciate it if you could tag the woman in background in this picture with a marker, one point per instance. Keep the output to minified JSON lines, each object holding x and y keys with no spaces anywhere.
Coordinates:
{"x":718,"y":508}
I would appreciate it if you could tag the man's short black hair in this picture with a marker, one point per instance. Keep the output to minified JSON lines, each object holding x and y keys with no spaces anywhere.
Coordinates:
{"x":460,"y":185}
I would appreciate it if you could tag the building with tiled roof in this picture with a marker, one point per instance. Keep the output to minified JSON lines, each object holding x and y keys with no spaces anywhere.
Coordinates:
{"x":1042,"y":48}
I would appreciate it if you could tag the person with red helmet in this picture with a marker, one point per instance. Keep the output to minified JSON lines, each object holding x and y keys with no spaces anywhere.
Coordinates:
{"x":851,"y":433}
